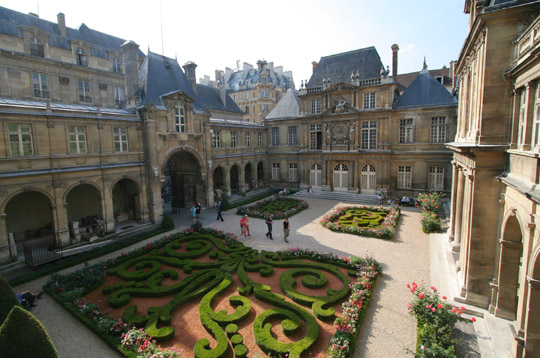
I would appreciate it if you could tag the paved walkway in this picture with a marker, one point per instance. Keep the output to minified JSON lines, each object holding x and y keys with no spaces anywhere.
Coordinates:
{"x":388,"y":330}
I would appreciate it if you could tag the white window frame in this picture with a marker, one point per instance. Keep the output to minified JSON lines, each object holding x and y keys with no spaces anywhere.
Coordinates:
{"x":406,"y":127}
{"x":77,"y":140}
{"x":293,"y":172}
{"x":436,"y":179}
{"x":216,"y":139}
{"x":246,"y":95}
{"x":275,"y":136}
{"x":119,"y":95}
{"x":404,"y":177}
{"x":536,"y":119}
{"x":84,"y":92}
{"x":179,"y":117}
{"x":275,"y":171}
{"x":293,"y":138}
{"x":369,"y":134}
{"x":264,"y":107}
{"x":248,"y":139}
{"x":259,"y":139}
{"x":316,"y":105}
{"x":233,"y":139}
{"x":315,"y":175}
{"x":20,"y":140}
{"x":120,"y":139}
{"x":370,"y":100}
{"x":116,"y":65}
{"x":80,"y":55}
{"x":315,"y":143}
{"x":264,"y":93}
{"x":36,"y":47}
{"x":438,"y":129}
{"x":40,"y":85}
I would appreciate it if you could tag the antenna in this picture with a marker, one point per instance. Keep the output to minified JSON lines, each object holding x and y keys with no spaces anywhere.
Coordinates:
{"x":161,"y":18}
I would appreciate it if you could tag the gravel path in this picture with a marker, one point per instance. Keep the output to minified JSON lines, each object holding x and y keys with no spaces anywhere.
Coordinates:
{"x":388,"y":330}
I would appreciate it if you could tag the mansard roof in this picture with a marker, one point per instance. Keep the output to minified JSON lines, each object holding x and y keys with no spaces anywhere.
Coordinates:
{"x":12,"y":21}
{"x":287,"y":107}
{"x":425,"y":91}
{"x":339,"y":67}
{"x":160,"y":75}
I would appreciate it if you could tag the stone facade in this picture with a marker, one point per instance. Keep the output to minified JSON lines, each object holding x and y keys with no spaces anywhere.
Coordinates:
{"x":494,"y":197}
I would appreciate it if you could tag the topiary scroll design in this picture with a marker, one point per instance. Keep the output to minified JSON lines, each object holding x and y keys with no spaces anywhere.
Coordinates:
{"x":189,"y":278}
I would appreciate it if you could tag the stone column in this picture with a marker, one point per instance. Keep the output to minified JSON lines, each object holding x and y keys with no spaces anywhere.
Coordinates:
{"x":210,"y":191}
{"x":60,"y":217}
{"x":532,"y":326}
{"x":227,"y":184}
{"x":453,"y":201}
{"x":241,"y":179}
{"x":459,"y":210}
{"x":4,"y":246}
{"x":108,"y":207}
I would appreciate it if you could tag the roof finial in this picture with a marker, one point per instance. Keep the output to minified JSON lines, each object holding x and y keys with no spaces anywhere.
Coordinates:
{"x":424,"y":67}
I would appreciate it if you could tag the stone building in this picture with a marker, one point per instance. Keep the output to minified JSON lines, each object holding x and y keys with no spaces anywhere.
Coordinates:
{"x":349,"y":129}
{"x":495,"y":199}
{"x":255,"y":90}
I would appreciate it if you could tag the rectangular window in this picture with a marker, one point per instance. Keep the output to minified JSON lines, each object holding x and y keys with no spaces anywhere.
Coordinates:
{"x":259,"y":140}
{"x":293,"y":140}
{"x":20,"y":139}
{"x":293,"y":171}
{"x":179,"y":117}
{"x":246,"y":95}
{"x":39,"y":81}
{"x":406,"y":130}
{"x":84,"y":91}
{"x":369,"y":100}
{"x":77,"y":139}
{"x":120,"y":140}
{"x":369,"y":135}
{"x":216,"y":140}
{"x":275,"y":136}
{"x":247,"y":110}
{"x":275,"y":171}
{"x":264,"y":107}
{"x":522,"y":118}
{"x":248,"y":139}
{"x":264,"y":93}
{"x":233,"y":139}
{"x":315,"y":106}
{"x":404,"y":177}
{"x":315,"y":137}
{"x":436,"y":178}
{"x":117,"y":66}
{"x":536,"y":119}
{"x":119,"y":97}
{"x":438,"y":130}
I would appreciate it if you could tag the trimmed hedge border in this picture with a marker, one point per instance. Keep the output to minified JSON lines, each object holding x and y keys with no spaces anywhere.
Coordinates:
{"x":263,"y":208}
{"x":209,"y":281}
{"x":383,"y":230}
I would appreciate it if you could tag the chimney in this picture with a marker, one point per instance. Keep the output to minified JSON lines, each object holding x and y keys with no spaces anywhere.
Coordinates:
{"x":395,"y":49}
{"x":222,"y":94}
{"x":314,"y":64}
{"x":131,"y":64}
{"x":62,"y":24}
{"x":190,"y":67}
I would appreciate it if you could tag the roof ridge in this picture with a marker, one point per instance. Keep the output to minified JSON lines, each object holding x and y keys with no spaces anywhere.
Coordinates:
{"x":348,"y":52}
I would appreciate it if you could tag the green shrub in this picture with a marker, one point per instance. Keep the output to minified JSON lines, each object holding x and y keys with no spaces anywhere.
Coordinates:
{"x":429,"y":201}
{"x":167,"y":223}
{"x":430,"y":222}
{"x":196,"y":226}
{"x":22,"y":335}
{"x":225,"y":205}
{"x":7,"y":299}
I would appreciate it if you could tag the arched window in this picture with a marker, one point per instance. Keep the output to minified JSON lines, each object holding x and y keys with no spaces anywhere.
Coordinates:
{"x":341,"y":177}
{"x":81,"y":57}
{"x":117,"y":66}
{"x":36,"y":47}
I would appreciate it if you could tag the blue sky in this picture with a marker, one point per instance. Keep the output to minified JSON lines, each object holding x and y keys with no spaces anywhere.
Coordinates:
{"x":291,"y":33}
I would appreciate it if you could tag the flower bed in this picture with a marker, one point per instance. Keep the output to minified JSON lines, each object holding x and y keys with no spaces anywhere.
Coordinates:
{"x":363,"y":220}
{"x":139,"y":275}
{"x":280,"y":207}
{"x":430,"y":204}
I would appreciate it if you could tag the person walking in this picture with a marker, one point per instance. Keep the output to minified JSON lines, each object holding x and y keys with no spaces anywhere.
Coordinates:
{"x":242,"y":227}
{"x":219,"y":208}
{"x":269,"y":224}
{"x":198,"y":209}
{"x":286,"y":229}
{"x":245,"y":221}
{"x":194,"y":212}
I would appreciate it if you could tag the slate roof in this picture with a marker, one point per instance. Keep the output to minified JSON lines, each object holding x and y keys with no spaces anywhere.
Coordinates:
{"x":494,"y":5}
{"x":247,"y":79}
{"x":11,"y":21}
{"x":160,"y":75}
{"x":340,"y":66}
{"x":404,"y":80}
{"x":425,"y":91}
{"x":287,"y":107}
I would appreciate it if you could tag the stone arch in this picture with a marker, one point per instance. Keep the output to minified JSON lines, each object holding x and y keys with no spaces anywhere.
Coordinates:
{"x":171,"y":152}
{"x":126,"y":199}
{"x":87,"y":218}
{"x":248,"y":176}
{"x":234,"y":173}
{"x":185,"y":171}
{"x":15,"y":193}
{"x":511,"y":251}
{"x":260,"y":173}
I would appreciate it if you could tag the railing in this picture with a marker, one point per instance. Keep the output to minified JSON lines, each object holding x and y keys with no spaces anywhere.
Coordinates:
{"x":529,"y":39}
{"x":40,"y":251}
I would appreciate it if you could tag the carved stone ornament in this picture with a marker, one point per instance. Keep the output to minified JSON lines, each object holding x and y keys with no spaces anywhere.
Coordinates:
{"x":340,"y":133}
{"x":341,"y":106}
{"x":24,"y":164}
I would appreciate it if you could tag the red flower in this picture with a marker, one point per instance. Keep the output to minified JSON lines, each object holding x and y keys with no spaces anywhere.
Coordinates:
{"x":473,"y":319}
{"x":440,"y":305}
{"x":421,"y":295}
{"x":444,"y":297}
{"x":454,"y":309}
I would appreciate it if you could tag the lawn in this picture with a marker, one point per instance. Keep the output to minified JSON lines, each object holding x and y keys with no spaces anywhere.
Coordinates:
{"x":208,"y":295}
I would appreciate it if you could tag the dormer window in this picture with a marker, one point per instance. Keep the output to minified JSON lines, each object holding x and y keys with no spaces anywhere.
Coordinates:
{"x":36,"y":47}
{"x":264,"y":79}
{"x":117,"y":67}
{"x":81,"y":57}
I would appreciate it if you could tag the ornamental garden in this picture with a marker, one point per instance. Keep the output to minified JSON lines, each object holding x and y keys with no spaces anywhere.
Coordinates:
{"x":204,"y":294}
{"x":279,"y":207}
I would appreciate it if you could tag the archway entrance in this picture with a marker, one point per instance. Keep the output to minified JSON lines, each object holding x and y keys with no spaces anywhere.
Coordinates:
{"x":341,"y":177}
{"x":368,"y":179}
{"x":29,"y":217}
{"x":125,"y":195}
{"x":84,"y":212}
{"x":315,"y":175}
{"x":185,"y":175}
{"x":248,"y":177}
{"x":219,"y":183}
{"x":260,"y":174}
{"x":509,"y":267}
{"x":235,"y":186}
{"x":532,"y":328}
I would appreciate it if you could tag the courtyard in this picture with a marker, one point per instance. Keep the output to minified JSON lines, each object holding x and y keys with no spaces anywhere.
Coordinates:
{"x":387,"y":331}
